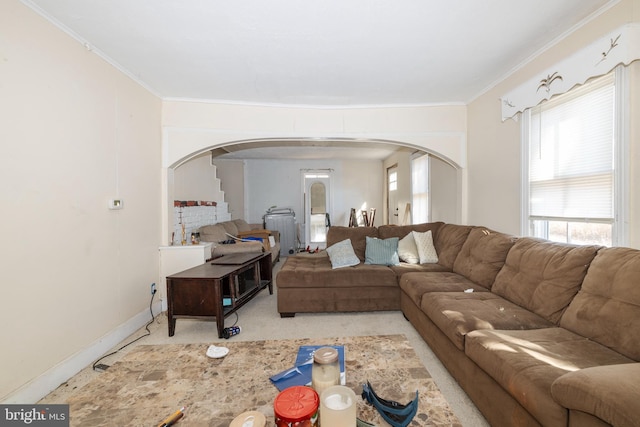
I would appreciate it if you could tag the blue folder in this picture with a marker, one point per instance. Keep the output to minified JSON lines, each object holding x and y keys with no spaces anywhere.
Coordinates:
{"x":300,"y":373}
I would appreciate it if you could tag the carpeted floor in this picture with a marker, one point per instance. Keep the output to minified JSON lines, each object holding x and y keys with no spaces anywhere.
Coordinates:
{"x":153,"y":381}
{"x":260,"y":321}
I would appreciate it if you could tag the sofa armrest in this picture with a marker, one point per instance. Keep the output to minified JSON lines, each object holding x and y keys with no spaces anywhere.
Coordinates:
{"x":610,"y":393}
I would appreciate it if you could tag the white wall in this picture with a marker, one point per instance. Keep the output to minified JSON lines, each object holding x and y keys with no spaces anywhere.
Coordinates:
{"x":75,"y":133}
{"x":494,"y":146}
{"x":354,"y":184}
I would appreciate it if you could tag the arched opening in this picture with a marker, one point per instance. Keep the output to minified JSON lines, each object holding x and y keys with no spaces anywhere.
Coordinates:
{"x":450,"y":175}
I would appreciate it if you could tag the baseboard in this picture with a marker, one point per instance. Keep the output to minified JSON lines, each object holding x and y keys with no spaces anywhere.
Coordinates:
{"x":44,"y":384}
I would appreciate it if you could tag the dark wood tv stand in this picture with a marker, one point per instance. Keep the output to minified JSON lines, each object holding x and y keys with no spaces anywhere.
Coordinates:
{"x":217,"y":288}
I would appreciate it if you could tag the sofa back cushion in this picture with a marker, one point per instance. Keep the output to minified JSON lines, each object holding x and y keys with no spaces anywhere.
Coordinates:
{"x":357,"y":235}
{"x":483,"y":255}
{"x":543,"y":276}
{"x":448,"y":241}
{"x":213,"y":233}
{"x":607,"y":307}
{"x":400,"y":231}
{"x":230,"y":226}
{"x":241,"y":225}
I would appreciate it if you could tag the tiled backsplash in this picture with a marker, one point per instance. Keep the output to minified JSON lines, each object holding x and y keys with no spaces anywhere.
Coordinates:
{"x":195,"y":214}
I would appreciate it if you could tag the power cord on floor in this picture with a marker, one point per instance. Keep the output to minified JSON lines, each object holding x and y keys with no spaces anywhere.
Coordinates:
{"x":237,"y":318}
{"x":97,"y":365}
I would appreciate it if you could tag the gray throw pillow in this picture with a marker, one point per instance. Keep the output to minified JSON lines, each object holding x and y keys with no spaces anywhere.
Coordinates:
{"x":341,"y":254}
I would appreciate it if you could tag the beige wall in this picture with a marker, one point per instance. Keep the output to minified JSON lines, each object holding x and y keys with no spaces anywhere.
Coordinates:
{"x":191,"y":128}
{"x":231,"y":176}
{"x":494,"y":146}
{"x":445,"y":193}
{"x":197,"y":180}
{"x":75,"y":133}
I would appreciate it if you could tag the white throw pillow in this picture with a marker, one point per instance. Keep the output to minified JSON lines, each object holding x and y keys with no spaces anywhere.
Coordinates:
{"x":407,"y":249}
{"x":426,"y":250}
{"x":341,"y":254}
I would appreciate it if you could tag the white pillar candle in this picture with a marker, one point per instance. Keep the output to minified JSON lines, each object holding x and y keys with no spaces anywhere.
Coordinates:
{"x":338,"y":407}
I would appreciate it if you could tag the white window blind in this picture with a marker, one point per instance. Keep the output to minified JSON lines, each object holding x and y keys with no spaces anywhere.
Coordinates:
{"x":571,"y":155}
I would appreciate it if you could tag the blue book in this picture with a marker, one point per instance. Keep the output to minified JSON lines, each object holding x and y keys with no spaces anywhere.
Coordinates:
{"x":300,"y":373}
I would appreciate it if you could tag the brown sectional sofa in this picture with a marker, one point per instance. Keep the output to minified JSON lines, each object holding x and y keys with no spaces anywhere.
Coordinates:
{"x":536,"y":332}
{"x":217,"y":233}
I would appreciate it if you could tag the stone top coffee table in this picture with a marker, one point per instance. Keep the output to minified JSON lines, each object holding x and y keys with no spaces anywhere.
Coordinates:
{"x":151,"y":382}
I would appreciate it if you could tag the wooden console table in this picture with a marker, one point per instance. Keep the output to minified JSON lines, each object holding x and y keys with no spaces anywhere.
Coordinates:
{"x":217,"y":288}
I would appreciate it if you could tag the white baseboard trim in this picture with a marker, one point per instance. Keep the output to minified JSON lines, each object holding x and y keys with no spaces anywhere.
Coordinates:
{"x":44,"y":384}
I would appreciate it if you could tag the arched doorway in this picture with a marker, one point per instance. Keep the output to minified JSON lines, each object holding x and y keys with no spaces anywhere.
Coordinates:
{"x":206,"y":141}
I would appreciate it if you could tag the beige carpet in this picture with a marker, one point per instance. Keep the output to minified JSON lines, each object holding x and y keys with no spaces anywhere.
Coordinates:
{"x":260,"y":321}
{"x":151,"y":382}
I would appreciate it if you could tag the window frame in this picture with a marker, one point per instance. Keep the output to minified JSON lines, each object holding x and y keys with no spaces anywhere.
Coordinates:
{"x":619,"y":232}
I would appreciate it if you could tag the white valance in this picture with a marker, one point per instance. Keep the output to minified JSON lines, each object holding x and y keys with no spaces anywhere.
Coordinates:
{"x":621,"y":46}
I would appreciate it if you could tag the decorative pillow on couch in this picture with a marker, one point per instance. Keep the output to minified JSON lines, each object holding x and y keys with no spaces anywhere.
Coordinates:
{"x":426,"y":250}
{"x":407,"y":250}
{"x":381,"y":252}
{"x":341,"y":254}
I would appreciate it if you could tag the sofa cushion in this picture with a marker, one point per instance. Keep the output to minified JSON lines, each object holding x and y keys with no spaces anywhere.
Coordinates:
{"x":400,"y":231}
{"x":341,"y":254}
{"x":448,"y":242}
{"x":609,"y":392}
{"x":483,"y":255}
{"x":426,"y":251}
{"x":357,"y":235}
{"x":213,"y":233}
{"x":526,"y":363}
{"x":316,"y":271}
{"x":415,"y":285}
{"x":543,"y":276}
{"x":381,"y":251}
{"x":607,"y":307}
{"x":230,"y":226}
{"x":458,"y":313}
{"x":241,"y":225}
{"x":404,"y":268}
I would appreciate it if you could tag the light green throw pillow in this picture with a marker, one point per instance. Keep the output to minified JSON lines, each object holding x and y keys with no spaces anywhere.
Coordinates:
{"x":381,"y":252}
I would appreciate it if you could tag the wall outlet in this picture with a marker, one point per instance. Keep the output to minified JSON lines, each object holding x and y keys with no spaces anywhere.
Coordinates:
{"x":153,"y":288}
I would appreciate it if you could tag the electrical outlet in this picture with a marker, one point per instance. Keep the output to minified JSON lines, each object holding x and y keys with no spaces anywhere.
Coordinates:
{"x":153,"y":288}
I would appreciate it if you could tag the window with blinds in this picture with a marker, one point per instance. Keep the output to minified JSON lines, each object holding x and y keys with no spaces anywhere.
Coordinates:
{"x":571,"y":165}
{"x":420,"y":189}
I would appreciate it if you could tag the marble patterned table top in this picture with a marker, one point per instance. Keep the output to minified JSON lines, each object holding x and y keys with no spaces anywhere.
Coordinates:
{"x":152,"y":381}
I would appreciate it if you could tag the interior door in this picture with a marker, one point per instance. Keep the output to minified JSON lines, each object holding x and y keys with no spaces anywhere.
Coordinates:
{"x":392,"y":195}
{"x":317,"y":208}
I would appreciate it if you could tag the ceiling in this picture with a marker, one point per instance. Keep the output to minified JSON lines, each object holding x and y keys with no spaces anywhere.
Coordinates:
{"x":330,"y":53}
